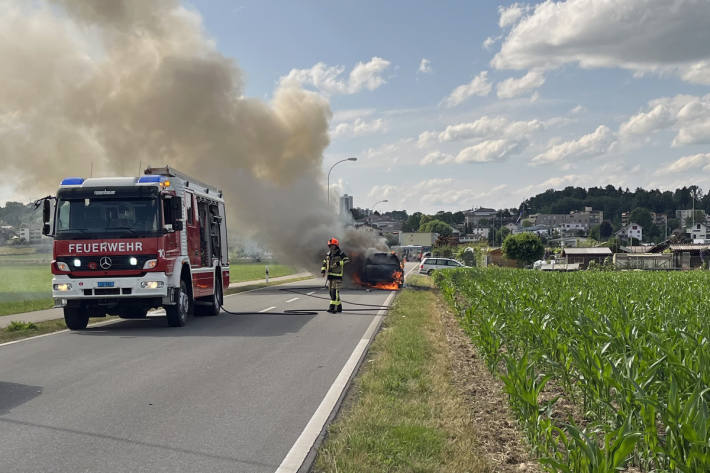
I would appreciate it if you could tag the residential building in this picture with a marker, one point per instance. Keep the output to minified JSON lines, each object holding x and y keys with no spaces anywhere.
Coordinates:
{"x":425,"y":239}
{"x":540,"y":230}
{"x":30,"y":233}
{"x":629,"y":231}
{"x":474,"y":217}
{"x":576,"y":219}
{"x":480,"y":233}
{"x":584,"y":256}
{"x":346,"y":205}
{"x":660,"y":220}
{"x":698,"y":232}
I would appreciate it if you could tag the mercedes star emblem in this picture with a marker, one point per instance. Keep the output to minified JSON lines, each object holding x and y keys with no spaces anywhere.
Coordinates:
{"x":105,"y":262}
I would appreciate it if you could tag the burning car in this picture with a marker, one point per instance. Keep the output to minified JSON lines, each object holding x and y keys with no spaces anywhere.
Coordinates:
{"x":378,"y":270}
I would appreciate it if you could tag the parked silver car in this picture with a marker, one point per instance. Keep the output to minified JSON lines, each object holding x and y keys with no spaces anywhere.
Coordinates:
{"x":429,"y":265}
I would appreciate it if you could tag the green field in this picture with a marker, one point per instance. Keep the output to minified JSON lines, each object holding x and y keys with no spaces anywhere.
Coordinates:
{"x":27,"y":287}
{"x":605,"y":370}
{"x":24,"y":287}
{"x":254,"y":271}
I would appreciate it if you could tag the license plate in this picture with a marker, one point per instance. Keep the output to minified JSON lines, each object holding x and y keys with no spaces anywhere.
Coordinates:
{"x":105,"y":284}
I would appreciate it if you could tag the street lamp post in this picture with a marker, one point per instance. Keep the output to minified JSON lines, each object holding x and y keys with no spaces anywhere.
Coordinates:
{"x":369,"y":220}
{"x":331,"y":169}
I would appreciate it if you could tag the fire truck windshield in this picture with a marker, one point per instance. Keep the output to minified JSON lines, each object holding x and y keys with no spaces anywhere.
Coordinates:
{"x":88,"y":217}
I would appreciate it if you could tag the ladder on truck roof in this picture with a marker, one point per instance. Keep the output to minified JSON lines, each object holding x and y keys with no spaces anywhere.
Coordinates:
{"x":172,"y":172}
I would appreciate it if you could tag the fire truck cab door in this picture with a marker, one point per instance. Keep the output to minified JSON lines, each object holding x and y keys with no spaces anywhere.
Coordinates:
{"x":172,"y":239}
{"x":193,"y":231}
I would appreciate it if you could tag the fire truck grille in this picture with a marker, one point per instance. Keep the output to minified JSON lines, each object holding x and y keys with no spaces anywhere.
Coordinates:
{"x":117,"y":262}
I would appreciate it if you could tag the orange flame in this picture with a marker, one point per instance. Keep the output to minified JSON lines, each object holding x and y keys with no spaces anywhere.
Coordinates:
{"x":395,"y":285}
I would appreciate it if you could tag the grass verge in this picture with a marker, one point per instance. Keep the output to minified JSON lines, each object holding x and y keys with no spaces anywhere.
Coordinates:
{"x":251,"y":287}
{"x":403,"y":412}
{"x":252,"y":271}
{"x":20,"y":330}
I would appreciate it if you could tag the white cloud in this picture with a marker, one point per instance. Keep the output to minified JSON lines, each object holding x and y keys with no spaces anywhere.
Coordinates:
{"x":359,"y":127}
{"x":687,"y":163}
{"x":426,"y":138}
{"x":425,"y":66}
{"x":386,"y":191}
{"x":330,"y":80}
{"x":350,"y":114}
{"x":511,"y":14}
{"x":577,"y":110}
{"x":478,"y":86}
{"x":593,"y":144}
{"x":490,"y":42}
{"x":639,"y":35}
{"x":437,"y":157}
{"x":489,"y":151}
{"x":513,"y":87}
{"x":688,"y":115}
{"x":484,"y":127}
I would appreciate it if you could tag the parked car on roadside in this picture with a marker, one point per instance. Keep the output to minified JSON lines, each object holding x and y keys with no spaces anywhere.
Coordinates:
{"x":429,"y":265}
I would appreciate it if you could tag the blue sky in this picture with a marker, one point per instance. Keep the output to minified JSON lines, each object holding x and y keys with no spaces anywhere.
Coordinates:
{"x":457,"y":104}
{"x":582,"y":93}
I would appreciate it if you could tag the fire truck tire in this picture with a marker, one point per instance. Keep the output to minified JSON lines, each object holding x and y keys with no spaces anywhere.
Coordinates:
{"x":177,"y":314}
{"x":76,"y":318}
{"x":216,"y":300}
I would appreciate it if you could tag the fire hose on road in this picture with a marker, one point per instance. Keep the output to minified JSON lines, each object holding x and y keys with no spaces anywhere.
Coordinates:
{"x":312,"y":311}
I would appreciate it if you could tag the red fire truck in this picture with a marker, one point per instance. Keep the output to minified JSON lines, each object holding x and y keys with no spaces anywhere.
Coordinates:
{"x":124,"y":245}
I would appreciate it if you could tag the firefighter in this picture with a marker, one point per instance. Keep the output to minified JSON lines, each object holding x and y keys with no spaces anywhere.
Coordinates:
{"x":332,"y":268}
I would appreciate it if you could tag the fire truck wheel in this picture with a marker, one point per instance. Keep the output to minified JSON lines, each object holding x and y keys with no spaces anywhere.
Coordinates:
{"x":216,"y":300}
{"x":76,"y":318}
{"x":177,"y":314}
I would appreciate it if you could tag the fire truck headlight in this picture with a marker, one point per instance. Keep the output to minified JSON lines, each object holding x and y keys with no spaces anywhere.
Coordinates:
{"x":77,"y":262}
{"x":133,"y":261}
{"x":151,"y":284}
{"x":62,"y":287}
{"x":150,"y":264}
{"x":62,"y":266}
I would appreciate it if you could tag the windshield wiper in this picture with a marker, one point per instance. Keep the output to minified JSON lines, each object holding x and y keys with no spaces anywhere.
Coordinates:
{"x":131,"y":230}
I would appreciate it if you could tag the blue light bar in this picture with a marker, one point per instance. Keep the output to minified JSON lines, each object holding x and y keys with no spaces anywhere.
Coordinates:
{"x":73,"y":181}
{"x":150,"y":178}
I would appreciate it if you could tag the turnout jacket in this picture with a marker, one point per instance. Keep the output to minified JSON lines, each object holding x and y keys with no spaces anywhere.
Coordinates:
{"x":334,"y":263}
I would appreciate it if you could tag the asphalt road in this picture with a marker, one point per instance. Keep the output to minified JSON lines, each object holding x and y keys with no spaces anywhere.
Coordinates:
{"x":227,"y":393}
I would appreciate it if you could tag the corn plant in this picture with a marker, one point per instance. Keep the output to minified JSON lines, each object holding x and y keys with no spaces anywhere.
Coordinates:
{"x":631,"y":350}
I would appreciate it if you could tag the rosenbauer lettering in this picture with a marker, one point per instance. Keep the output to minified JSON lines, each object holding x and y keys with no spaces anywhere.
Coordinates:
{"x":103,"y":247}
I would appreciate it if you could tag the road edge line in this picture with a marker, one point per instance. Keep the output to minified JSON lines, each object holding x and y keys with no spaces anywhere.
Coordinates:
{"x":302,"y":453}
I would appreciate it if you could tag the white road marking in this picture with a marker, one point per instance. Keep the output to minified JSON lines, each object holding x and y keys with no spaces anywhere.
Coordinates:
{"x":293,"y":299}
{"x":267,"y":309}
{"x":311,"y":293}
{"x":97,"y":324}
{"x":295,"y":457}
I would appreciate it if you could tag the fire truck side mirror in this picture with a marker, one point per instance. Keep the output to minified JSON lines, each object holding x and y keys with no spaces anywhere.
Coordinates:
{"x":46,"y":211}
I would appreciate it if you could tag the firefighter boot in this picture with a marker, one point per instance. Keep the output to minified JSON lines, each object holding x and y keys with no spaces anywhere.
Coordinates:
{"x":331,"y":309}
{"x":340,"y":308}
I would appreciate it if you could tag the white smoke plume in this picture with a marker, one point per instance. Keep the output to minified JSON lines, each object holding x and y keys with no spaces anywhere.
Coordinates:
{"x":110,"y":84}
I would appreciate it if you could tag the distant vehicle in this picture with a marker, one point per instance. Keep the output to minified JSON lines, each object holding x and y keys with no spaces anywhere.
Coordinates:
{"x":383,"y":270}
{"x":429,"y":265}
{"x":123,"y":245}
{"x":426,"y":255}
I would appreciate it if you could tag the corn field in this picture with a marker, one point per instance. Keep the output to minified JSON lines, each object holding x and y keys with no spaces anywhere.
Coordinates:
{"x":606,"y":371}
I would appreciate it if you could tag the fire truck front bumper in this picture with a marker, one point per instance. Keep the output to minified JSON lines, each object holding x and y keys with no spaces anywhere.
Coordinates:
{"x":153,"y":285}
